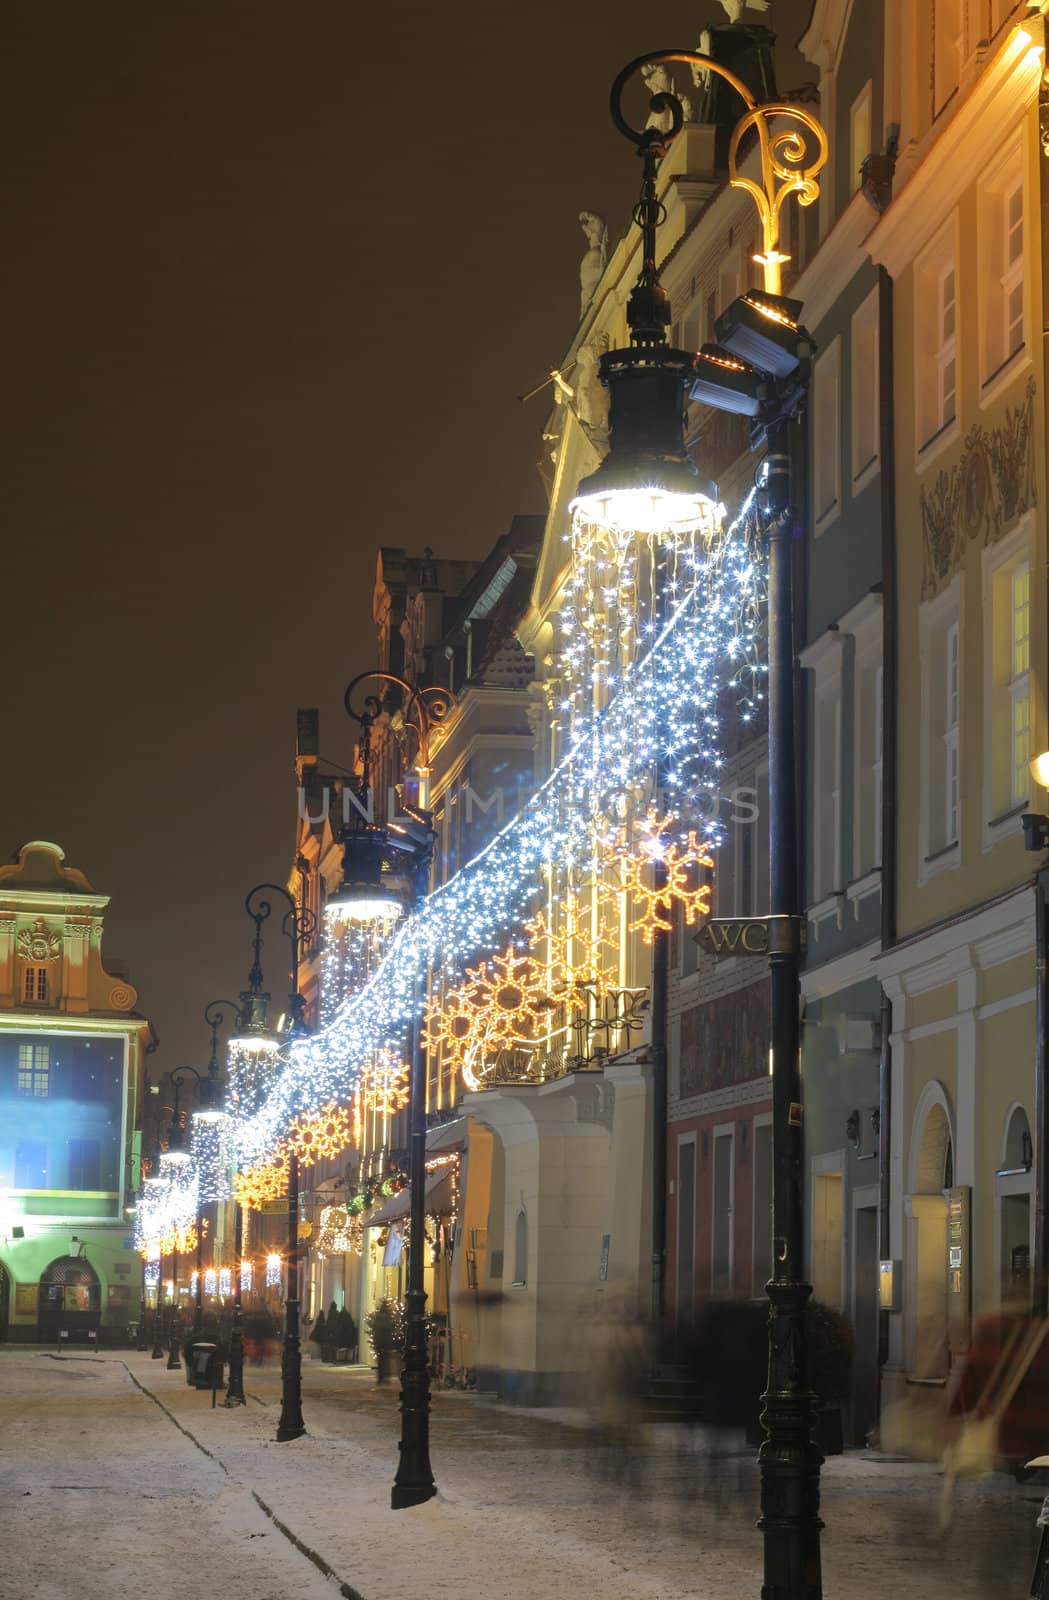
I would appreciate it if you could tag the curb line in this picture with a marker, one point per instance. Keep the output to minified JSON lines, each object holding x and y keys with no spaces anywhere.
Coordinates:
{"x":344,"y":1589}
{"x":319,"y":1562}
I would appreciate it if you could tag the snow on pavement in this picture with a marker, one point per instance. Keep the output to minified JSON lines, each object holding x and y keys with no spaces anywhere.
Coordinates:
{"x":101,"y":1498}
{"x":528,"y":1508}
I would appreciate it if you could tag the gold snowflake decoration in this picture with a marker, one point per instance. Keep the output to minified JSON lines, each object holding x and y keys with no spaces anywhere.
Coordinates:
{"x":501,"y":1005}
{"x":578,"y":944}
{"x":267,"y":1181}
{"x":319,"y":1135}
{"x":686,"y":872}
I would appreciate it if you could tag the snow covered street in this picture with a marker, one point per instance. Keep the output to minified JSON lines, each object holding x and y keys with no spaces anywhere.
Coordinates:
{"x":105,"y":1496}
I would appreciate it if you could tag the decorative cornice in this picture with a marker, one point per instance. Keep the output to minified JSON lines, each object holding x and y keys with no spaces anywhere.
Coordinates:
{"x":948,"y":160}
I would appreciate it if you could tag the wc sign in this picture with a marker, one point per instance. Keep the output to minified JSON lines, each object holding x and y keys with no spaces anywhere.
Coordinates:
{"x":752,"y":936}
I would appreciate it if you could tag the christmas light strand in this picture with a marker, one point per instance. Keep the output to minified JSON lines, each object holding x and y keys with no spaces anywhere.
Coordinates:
{"x":654,"y":708}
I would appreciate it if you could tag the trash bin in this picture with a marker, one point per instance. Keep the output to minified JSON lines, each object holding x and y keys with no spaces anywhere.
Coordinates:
{"x":204,"y":1369}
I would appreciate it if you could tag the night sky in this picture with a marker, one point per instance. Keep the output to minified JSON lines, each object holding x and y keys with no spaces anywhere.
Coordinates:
{"x":275,"y":277}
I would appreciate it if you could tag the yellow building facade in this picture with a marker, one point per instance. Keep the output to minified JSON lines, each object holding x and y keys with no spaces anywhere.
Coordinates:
{"x":962,"y":242}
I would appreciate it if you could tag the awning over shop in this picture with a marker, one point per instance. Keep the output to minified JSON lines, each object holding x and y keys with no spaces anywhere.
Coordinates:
{"x":396,"y":1208}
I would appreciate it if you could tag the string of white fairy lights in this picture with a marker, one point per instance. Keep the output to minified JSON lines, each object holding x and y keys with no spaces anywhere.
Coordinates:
{"x":637,"y":696}
{"x":662,"y":704}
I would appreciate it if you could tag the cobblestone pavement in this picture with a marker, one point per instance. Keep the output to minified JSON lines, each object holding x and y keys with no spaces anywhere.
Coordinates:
{"x":534,"y":1507}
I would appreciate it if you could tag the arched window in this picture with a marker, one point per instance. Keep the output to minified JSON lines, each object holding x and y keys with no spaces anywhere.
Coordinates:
{"x":520,"y":1250}
{"x":1018,"y":1152}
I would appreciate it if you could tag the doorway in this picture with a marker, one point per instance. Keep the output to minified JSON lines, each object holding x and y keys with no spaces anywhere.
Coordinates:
{"x":864,"y":1401}
{"x":70,"y":1299}
{"x":934,"y":1174}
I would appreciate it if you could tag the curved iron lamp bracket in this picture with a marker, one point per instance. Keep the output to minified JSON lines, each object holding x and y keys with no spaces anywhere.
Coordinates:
{"x":423,"y":711}
{"x":791,"y":142}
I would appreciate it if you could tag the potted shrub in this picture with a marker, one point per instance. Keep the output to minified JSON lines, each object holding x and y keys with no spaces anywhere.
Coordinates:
{"x":382,"y":1335}
{"x":347,"y":1340}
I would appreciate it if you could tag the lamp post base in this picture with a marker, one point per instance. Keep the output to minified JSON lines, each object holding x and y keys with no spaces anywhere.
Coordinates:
{"x":235,"y":1380}
{"x":789,"y":1460}
{"x":414,"y":1481}
{"x":291,"y":1424}
{"x":401,"y":1498}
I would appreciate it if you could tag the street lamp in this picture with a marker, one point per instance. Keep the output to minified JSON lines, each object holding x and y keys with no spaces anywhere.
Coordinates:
{"x":759,"y":370}
{"x":174,"y":1163}
{"x":213,"y":1013}
{"x":151,"y":1187}
{"x":297,"y":926}
{"x":404,"y":849}
{"x":210,"y":1145}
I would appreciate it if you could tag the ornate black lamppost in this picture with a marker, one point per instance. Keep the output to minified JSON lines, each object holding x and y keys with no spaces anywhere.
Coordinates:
{"x":174,"y":1159}
{"x":297,"y":926}
{"x":213,"y":1086}
{"x":759,"y":370}
{"x":402,"y":850}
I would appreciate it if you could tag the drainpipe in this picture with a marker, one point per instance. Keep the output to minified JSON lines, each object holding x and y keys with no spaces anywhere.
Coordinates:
{"x":889,"y":696}
{"x":1041,"y":1098}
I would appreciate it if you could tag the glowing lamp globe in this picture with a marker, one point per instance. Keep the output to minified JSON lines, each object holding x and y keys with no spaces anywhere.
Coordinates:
{"x":647,"y":484}
{"x":363,"y":895}
{"x":253,"y":1033}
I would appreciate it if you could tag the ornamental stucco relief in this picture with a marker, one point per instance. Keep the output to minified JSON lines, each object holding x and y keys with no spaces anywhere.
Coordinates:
{"x":39,"y":942}
{"x":978,"y":500}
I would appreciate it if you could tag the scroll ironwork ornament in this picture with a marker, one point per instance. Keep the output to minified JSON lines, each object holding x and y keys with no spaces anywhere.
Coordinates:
{"x":421,"y":712}
{"x":791,"y":142}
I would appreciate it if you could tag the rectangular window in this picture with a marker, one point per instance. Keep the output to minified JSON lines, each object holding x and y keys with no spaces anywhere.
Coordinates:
{"x":1007,"y":682}
{"x":31,"y":1164}
{"x":34,"y":985}
{"x":935,"y":343}
{"x":34,"y":1070}
{"x":84,"y":1164}
{"x":942,"y":685}
{"x":721,"y":1233}
{"x":867,"y":741}
{"x":864,"y":392}
{"x":947,"y":369}
{"x":762,"y":1259}
{"x":1019,"y":683}
{"x":826,"y":435}
{"x":828,"y":793}
{"x":1000,"y":255}
{"x":859,"y":136}
{"x":826,"y":1239}
{"x":952,"y":681}
{"x":686,"y":1226}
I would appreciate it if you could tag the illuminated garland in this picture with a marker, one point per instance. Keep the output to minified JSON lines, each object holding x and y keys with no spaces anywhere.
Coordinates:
{"x":383,"y":1089}
{"x":502,"y":1004}
{"x":274,"y":1272}
{"x":662,"y":702}
{"x":685,"y":869}
{"x":267,"y":1181}
{"x":212,"y":1146}
{"x":180,"y":1239}
{"x":319,"y":1135}
{"x":341,"y":1232}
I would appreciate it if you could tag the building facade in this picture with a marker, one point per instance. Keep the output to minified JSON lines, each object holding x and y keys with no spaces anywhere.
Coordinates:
{"x":962,"y":243}
{"x":72,"y":1071}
